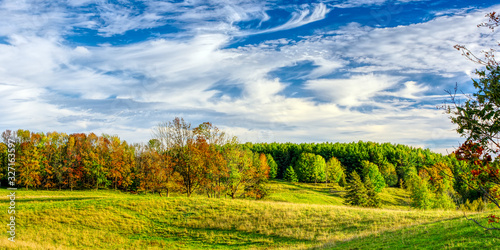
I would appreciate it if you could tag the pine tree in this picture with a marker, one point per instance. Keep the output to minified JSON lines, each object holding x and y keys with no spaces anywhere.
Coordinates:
{"x":273,"y":167}
{"x":373,"y":198}
{"x":356,"y":193}
{"x":290,"y":175}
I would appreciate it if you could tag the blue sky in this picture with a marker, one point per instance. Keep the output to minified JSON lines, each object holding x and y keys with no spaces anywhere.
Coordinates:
{"x":286,"y":71}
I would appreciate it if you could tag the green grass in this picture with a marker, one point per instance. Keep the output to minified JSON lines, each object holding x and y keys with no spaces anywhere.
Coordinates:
{"x":294,"y":216}
{"x":457,"y":233}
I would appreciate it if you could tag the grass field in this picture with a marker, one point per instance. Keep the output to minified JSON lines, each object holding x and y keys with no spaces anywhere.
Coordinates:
{"x":294,"y":216}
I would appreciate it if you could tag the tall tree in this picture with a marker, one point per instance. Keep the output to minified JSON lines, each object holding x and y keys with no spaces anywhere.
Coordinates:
{"x":273,"y":167}
{"x":290,"y":175}
{"x":373,"y":198}
{"x":179,"y":141}
{"x":239,"y":164}
{"x":356,"y":193}
{"x":370,"y":170}
{"x":310,"y":168}
{"x":478,"y":120}
{"x":29,"y":158}
{"x":334,"y":170}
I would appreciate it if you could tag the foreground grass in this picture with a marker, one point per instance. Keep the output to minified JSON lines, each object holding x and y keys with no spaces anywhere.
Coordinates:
{"x":294,"y":216}
{"x":457,"y":233}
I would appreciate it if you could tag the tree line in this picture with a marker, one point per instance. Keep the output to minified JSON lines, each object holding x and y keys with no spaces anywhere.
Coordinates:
{"x":366,"y":168}
{"x":204,"y":159}
{"x":179,"y":158}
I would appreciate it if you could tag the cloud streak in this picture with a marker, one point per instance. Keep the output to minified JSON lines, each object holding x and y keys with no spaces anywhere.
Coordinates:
{"x":356,"y":82}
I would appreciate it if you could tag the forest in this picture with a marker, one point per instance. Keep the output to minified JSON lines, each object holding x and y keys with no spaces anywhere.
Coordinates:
{"x":204,"y":160}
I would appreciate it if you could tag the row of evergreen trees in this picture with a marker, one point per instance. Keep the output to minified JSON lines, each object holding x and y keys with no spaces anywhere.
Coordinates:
{"x":432,"y":179}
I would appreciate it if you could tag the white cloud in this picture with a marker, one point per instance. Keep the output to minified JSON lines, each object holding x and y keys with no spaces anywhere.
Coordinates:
{"x":50,"y":84}
{"x":353,"y":91}
{"x":358,"y":3}
{"x":302,"y":17}
{"x":425,"y":46}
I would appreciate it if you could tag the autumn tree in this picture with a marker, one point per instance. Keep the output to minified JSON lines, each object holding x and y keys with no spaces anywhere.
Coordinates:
{"x":28,"y":159}
{"x":53,"y":152}
{"x":210,"y":142}
{"x":478,"y":120}
{"x":154,"y":170}
{"x":73,"y":161}
{"x":120,"y":163}
{"x":258,"y":175}
{"x":179,"y":141}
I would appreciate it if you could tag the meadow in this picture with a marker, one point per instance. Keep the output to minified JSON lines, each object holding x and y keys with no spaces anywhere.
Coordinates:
{"x":294,"y":216}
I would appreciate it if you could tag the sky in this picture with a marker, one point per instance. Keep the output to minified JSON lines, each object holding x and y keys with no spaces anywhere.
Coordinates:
{"x":264,"y":71}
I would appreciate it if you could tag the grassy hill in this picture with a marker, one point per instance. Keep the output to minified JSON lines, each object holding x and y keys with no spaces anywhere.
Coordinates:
{"x":294,"y":216}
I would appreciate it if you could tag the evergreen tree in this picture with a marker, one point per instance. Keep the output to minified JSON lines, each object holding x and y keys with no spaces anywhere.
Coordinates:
{"x":290,"y":175}
{"x":373,"y":198}
{"x":356,"y":193}
{"x":273,"y":167}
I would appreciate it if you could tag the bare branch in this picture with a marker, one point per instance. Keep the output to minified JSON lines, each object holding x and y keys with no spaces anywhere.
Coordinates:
{"x":479,"y":224}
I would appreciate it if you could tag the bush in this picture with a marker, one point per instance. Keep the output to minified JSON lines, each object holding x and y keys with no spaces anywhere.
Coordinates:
{"x":443,"y":201}
{"x":476,"y":206}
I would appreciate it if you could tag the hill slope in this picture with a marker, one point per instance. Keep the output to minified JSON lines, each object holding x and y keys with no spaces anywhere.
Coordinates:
{"x":294,"y":216}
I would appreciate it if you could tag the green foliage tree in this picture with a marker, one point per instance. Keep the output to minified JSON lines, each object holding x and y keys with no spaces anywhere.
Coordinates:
{"x":334,"y":170}
{"x":310,"y":168}
{"x":371,"y":171}
{"x":388,"y":171}
{"x":290,"y":175}
{"x":421,"y":196}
